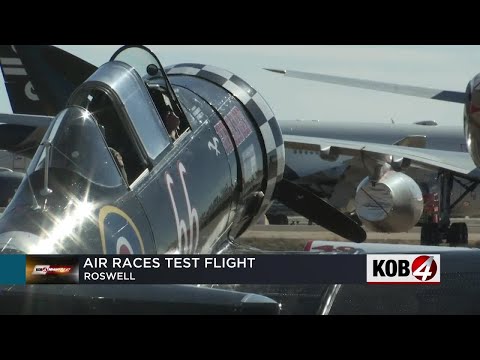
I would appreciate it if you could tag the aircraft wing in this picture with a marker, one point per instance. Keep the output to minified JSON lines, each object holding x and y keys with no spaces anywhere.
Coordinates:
{"x":118,"y":299}
{"x":417,"y":91}
{"x":458,"y":162}
{"x":21,"y":134}
{"x":26,"y":120}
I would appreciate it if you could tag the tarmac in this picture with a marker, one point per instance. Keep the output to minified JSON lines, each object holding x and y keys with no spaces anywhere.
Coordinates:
{"x":296,"y":235}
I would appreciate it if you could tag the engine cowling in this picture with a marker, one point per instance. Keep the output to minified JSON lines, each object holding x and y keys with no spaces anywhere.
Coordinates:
{"x":393,"y":204}
{"x":241,"y":109}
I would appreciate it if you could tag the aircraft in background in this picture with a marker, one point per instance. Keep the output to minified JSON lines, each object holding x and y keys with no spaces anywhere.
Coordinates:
{"x":336,"y":178}
{"x":366,"y":156}
{"x":195,"y":191}
{"x":470,"y":99}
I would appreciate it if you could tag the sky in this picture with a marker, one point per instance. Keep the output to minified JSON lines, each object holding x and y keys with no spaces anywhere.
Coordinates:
{"x":448,"y":67}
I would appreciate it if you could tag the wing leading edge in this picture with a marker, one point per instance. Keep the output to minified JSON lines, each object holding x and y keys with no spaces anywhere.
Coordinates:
{"x":417,"y":91}
{"x":457,"y":162}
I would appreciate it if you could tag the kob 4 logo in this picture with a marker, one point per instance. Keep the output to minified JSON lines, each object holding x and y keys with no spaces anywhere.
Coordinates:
{"x":403,"y":269}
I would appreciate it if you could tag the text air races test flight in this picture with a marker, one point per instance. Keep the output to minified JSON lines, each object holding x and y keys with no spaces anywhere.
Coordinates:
{"x":132,"y":158}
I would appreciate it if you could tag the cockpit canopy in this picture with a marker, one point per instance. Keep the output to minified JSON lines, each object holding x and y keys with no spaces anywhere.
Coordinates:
{"x":72,"y":165}
{"x":111,"y":112}
{"x":140,"y":58}
{"x":147,"y":65}
{"x":76,"y":144}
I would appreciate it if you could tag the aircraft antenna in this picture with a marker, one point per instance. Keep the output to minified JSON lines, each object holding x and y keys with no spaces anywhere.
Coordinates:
{"x":35,"y":206}
{"x":46,"y":191}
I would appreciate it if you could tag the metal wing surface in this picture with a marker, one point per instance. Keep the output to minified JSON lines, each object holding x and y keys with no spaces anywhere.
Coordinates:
{"x":458,"y":162}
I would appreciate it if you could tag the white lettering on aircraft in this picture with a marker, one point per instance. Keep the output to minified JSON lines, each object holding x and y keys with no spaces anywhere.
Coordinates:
{"x":187,"y":239}
{"x":211,"y":146}
{"x":30,"y":92}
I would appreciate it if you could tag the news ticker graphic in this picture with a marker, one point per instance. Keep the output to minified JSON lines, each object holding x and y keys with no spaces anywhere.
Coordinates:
{"x":220,"y":269}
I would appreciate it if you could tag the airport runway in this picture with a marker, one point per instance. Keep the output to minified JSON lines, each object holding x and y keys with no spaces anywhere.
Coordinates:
{"x":294,"y":237}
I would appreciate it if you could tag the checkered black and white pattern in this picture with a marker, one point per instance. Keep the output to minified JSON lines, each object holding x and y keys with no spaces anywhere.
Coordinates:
{"x":259,"y":110}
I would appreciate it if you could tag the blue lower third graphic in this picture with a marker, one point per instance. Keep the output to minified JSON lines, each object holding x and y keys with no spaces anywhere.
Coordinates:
{"x":12,"y":269}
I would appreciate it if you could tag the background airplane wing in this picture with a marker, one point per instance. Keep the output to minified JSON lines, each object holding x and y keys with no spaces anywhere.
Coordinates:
{"x":21,"y":133}
{"x":417,"y":91}
{"x":458,"y":162}
{"x":25,"y":120}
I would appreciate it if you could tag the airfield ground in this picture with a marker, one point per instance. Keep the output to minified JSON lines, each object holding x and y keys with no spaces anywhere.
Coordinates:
{"x":294,"y":237}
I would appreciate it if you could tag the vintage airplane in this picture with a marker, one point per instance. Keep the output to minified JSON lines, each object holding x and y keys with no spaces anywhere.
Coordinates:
{"x":470,"y":98}
{"x":194,"y":189}
{"x":317,"y":170}
{"x":218,"y":174}
{"x":320,"y":170}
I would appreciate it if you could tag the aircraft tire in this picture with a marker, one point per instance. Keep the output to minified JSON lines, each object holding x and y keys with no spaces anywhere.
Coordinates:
{"x":430,"y":234}
{"x":458,"y":234}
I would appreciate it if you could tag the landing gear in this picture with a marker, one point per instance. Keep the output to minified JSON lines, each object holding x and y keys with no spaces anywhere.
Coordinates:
{"x":439,"y":227}
{"x":457,"y":234}
{"x":430,"y":234}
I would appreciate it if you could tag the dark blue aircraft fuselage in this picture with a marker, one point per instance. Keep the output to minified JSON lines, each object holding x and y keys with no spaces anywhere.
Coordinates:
{"x":184,"y":195}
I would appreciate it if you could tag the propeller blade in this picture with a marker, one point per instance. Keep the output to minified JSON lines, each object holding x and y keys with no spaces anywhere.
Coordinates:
{"x":417,"y":91}
{"x":319,"y":211}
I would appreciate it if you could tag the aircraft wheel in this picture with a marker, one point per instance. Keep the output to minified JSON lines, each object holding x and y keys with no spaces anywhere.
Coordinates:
{"x":458,"y":234}
{"x":430,"y":234}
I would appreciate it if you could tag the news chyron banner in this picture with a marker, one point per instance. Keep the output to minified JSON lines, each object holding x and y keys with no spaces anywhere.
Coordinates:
{"x":221,"y":269}
{"x":198,"y":269}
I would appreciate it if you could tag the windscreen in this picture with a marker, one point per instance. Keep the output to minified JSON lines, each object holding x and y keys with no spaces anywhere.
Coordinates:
{"x":71,"y":176}
{"x":75,"y":144}
{"x":73,"y":162}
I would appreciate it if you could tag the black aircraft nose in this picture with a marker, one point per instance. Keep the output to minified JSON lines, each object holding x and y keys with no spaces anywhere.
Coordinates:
{"x":255,"y":304}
